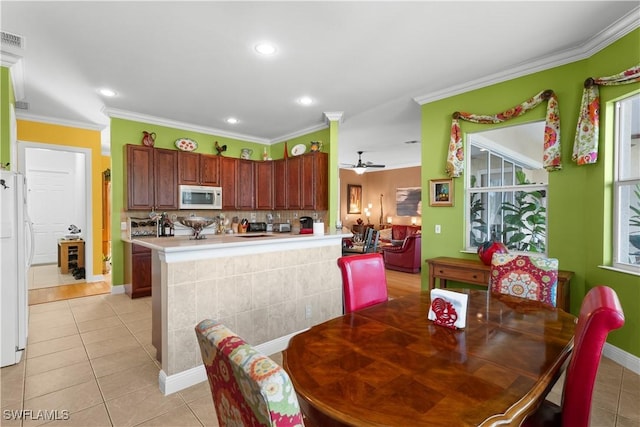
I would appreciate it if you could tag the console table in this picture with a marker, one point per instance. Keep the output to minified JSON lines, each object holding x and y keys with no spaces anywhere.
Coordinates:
{"x":475,"y":272}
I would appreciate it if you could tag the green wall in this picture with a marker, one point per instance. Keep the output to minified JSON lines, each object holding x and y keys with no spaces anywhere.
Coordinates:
{"x":6,"y":99}
{"x":579,"y":196}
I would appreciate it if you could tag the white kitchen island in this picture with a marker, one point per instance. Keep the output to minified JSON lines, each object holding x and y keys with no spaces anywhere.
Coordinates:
{"x":264,"y":286}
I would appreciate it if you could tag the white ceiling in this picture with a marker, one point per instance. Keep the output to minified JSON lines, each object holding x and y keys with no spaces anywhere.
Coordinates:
{"x":193,"y":62}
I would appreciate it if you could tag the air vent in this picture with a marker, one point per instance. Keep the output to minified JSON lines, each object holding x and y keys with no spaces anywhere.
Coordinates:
{"x":413,"y":141}
{"x":9,"y":39}
{"x":22,"y":105}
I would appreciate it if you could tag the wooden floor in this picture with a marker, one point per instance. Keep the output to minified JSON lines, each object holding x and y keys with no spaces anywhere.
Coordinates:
{"x":398,"y":284}
{"x":63,"y":292}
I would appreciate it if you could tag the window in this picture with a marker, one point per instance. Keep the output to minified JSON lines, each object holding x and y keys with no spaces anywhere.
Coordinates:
{"x":506,"y":186}
{"x":627,"y":185}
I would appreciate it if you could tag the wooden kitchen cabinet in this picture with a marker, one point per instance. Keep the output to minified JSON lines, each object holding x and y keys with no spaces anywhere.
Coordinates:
{"x":294,"y":175}
{"x":198,"y":169}
{"x":188,"y":168}
{"x":314,"y":181}
{"x":264,"y":185}
{"x":152,"y":178}
{"x":228,"y":166}
{"x":209,"y":170}
{"x":245,"y":185}
{"x":140,"y":272}
{"x":279,"y":183}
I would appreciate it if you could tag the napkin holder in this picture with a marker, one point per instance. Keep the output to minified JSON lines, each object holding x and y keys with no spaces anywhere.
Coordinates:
{"x":448,"y":309}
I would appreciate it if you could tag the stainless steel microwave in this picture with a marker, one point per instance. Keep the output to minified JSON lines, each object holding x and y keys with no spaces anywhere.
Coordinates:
{"x":200,"y":197}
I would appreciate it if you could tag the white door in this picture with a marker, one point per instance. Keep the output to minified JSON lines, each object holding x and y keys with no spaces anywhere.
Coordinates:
{"x":55,"y":193}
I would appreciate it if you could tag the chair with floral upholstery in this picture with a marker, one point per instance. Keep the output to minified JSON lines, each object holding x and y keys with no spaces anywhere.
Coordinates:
{"x":248,"y":388}
{"x":523,"y":276}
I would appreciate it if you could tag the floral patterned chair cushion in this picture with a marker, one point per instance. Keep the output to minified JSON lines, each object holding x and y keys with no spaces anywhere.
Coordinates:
{"x":248,"y":388}
{"x":525,"y":277}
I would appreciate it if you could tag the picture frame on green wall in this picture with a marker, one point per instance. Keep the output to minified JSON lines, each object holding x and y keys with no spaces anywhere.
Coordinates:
{"x":441,"y":192}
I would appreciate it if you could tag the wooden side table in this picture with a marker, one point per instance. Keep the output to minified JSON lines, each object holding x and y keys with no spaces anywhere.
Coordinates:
{"x":70,"y":255}
{"x":476,"y":273}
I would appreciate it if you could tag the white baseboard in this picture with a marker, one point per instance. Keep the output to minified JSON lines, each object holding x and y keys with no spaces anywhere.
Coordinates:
{"x":172,"y":383}
{"x":115,"y":290}
{"x":621,"y":357}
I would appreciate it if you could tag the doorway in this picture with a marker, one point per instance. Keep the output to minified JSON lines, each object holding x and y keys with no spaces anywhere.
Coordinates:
{"x":58,"y":196}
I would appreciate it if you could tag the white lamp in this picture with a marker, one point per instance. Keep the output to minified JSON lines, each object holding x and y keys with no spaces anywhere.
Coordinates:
{"x":359,"y":171}
{"x":413,"y":220}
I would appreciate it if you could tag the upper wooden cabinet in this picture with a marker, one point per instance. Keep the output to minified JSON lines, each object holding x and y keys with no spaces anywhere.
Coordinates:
{"x":294,"y":175}
{"x":152,"y":178}
{"x":314,"y":181}
{"x":245,"y":186}
{"x":198,"y":169}
{"x":228,"y":166}
{"x":264,"y":184}
{"x":279,"y":184}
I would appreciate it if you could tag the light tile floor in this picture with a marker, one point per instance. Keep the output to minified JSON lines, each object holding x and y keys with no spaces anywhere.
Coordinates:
{"x":48,"y":275}
{"x":93,"y":357}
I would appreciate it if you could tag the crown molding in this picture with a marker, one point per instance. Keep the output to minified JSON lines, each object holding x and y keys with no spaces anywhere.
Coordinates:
{"x":16,"y":70}
{"x":334,"y":116}
{"x":138,"y":117}
{"x":60,"y":122}
{"x":606,"y":37}
{"x":300,"y":132}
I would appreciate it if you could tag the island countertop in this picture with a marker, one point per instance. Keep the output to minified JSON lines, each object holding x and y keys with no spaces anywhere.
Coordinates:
{"x":182,"y":248}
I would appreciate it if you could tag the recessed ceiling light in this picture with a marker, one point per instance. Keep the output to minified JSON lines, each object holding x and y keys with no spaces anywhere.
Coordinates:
{"x":107,"y":92}
{"x":305,"y":100}
{"x":232,"y":120}
{"x":265,"y":48}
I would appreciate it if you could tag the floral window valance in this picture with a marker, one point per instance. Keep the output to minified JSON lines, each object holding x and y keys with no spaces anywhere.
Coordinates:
{"x":585,"y":146}
{"x":551,"y":156}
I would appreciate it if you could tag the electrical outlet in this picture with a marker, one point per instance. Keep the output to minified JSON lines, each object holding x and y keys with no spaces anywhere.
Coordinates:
{"x":307,"y":311}
{"x":295,"y":215}
{"x":438,"y":229}
{"x":253,"y":217}
{"x":123,"y":226}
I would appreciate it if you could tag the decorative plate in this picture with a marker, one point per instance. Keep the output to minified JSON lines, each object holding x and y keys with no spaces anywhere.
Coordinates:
{"x":298,"y":149}
{"x":186,"y":144}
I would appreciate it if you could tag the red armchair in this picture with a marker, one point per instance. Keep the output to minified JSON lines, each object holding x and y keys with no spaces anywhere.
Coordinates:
{"x":406,"y":257}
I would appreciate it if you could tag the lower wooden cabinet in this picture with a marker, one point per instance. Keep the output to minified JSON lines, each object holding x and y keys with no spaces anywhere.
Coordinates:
{"x":140,"y":266}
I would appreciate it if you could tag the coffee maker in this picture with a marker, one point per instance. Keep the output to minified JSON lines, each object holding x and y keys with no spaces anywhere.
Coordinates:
{"x":306,"y":225}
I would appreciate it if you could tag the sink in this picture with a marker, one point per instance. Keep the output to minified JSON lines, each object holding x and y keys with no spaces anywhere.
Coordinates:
{"x":197,"y":224}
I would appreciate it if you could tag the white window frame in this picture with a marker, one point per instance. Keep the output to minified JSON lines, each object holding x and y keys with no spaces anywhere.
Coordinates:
{"x":497,"y":189}
{"x":622,"y":199}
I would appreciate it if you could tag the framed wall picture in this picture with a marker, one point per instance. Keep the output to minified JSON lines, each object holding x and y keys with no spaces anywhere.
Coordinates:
{"x":354,"y":199}
{"x":441,"y":192}
{"x":409,"y":201}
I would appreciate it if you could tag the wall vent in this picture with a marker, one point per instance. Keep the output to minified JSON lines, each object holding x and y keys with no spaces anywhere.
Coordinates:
{"x":22,"y":105}
{"x":9,"y":39}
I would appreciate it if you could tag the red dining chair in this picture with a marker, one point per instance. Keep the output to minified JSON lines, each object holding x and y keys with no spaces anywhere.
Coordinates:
{"x":248,"y":388}
{"x":364,"y":281}
{"x":600,"y":313}
{"x":523,"y":276}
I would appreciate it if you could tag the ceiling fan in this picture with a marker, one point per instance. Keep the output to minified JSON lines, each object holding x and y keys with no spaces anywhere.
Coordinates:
{"x":361,"y":167}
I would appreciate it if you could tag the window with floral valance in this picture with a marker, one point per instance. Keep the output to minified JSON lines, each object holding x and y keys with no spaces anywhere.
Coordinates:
{"x":585,"y":146}
{"x":551,"y":155}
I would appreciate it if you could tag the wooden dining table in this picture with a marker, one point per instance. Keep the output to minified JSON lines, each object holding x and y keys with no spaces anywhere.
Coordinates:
{"x":388,"y":365}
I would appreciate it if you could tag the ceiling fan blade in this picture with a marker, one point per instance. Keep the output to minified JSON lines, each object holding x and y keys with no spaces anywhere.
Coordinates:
{"x":374,"y":166}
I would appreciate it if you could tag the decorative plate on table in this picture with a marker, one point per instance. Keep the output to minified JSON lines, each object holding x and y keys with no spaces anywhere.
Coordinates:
{"x":186,"y":144}
{"x":298,"y":149}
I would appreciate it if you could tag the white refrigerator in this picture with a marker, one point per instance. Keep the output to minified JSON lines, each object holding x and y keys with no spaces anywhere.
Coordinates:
{"x":16,"y":251}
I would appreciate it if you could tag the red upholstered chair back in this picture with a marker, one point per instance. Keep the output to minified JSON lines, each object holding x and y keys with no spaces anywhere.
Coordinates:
{"x":248,"y":388}
{"x":364,"y":281}
{"x":600,"y":313}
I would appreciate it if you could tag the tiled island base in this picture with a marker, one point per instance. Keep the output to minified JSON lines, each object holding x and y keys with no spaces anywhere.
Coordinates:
{"x":266,"y":295}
